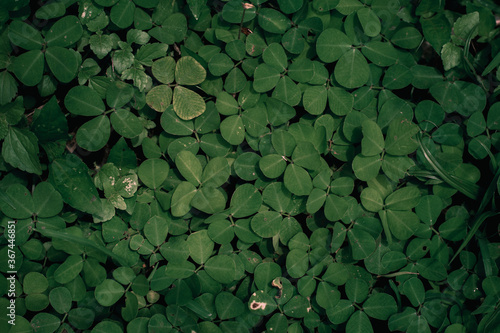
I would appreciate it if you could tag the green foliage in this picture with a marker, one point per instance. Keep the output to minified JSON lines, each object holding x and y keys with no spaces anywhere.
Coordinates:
{"x":284,"y":166}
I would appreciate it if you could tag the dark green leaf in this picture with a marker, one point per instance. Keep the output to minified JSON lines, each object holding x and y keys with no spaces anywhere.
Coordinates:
{"x":94,"y":134}
{"x":28,"y":67}
{"x":20,"y":149}
{"x":65,"y":32}
{"x":84,"y":101}
{"x":352,"y":70}
{"x":25,"y":35}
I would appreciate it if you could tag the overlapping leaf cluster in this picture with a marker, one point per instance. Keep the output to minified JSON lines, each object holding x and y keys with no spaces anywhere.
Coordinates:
{"x":288,"y":165}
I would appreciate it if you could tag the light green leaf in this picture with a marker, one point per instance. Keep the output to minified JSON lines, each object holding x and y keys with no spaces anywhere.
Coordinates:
{"x":188,"y":71}
{"x":362,"y":243}
{"x":235,"y":81}
{"x":272,"y":165}
{"x":290,"y":6}
{"x":51,"y":10}
{"x":196,"y":6}
{"x":149,"y":52}
{"x":221,"y":231}
{"x":172,"y":124}
{"x":163,"y":70}
{"x":187,"y":103}
{"x":277,"y":197}
{"x":356,"y":290}
{"x":327,"y":295}
{"x":60,"y":299}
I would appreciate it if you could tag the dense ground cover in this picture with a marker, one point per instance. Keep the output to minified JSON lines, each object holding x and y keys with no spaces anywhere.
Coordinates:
{"x":229,"y":166}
